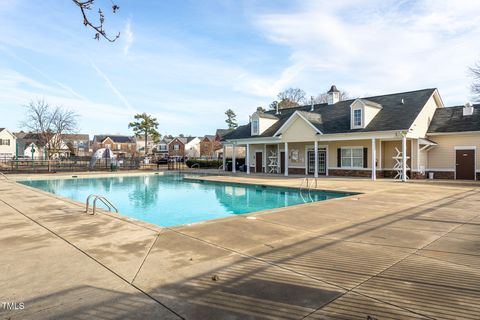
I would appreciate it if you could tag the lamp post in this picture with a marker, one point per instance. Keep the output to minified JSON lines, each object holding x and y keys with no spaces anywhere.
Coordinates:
{"x":16,"y":154}
{"x":33,"y":155}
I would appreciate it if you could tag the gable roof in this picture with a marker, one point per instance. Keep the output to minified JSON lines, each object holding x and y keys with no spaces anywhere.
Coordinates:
{"x":209,"y":137}
{"x":335,"y":118}
{"x":221,"y":132}
{"x":114,"y":138}
{"x":451,"y":119}
{"x":26,"y":138}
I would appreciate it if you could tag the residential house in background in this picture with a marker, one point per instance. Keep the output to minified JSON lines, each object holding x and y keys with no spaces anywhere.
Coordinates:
{"x":32,"y":146}
{"x":209,"y":145}
{"x":192,"y":147}
{"x":8,"y":143}
{"x":140,"y":142}
{"x":404,"y":135}
{"x":121,"y":146}
{"x":181,"y":147}
{"x":78,"y":144}
{"x":160,"y":150}
{"x":239,"y":152}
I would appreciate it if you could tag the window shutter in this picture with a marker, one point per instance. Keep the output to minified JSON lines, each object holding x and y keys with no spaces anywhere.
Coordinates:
{"x":365,"y":157}
{"x":339,"y":157}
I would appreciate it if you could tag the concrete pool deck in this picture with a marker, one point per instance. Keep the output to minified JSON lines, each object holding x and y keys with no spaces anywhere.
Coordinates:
{"x":396,"y":251}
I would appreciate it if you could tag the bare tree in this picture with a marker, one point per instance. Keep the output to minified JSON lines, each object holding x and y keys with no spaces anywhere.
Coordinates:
{"x":291,"y":97}
{"x":86,"y":5}
{"x":475,"y":86}
{"x":50,"y":124}
{"x":323,"y":97}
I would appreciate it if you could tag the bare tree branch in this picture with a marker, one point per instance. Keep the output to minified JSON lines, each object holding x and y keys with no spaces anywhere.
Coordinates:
{"x":323,"y":97}
{"x":99,"y":30}
{"x":475,"y":86}
{"x":49,"y":124}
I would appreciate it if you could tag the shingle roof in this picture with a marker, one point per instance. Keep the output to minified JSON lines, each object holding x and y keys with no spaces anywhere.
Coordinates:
{"x":394,"y":115}
{"x":115,"y":138}
{"x":267,"y":115}
{"x":209,"y":137}
{"x":451,"y":119}
{"x":76,"y":136}
{"x":222,"y":132}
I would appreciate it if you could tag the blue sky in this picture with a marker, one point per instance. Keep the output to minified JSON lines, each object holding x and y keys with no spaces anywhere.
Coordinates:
{"x":186,"y":62}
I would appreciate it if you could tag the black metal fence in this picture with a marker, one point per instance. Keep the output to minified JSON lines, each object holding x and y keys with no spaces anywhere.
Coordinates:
{"x":70,"y":164}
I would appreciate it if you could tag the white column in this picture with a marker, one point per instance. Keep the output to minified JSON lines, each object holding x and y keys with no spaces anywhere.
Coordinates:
{"x":374,"y":161}
{"x":234,"y":158}
{"x":380,"y":165}
{"x":278,"y":158}
{"x":404,"y":157}
{"x":264,"y":158}
{"x":224,"y":158}
{"x":247,"y":158}
{"x":286,"y":159}
{"x":315,"y":146}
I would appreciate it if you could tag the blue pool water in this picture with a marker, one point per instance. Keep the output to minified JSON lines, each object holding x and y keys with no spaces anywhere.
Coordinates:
{"x":172,"y":200}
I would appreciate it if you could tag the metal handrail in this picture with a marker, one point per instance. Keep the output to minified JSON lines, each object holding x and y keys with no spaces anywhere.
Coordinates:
{"x":221,"y":168}
{"x":195,"y":164}
{"x":104,"y":200}
{"x":301,"y":185}
{"x":4,"y":176}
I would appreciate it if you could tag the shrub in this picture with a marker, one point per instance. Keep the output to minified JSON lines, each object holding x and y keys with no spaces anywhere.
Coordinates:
{"x":205,"y":164}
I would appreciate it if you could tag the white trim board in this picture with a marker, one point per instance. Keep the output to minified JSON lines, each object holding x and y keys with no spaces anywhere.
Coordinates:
{"x":290,"y":121}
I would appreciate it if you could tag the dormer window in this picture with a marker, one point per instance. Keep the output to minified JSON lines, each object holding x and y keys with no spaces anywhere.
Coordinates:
{"x":362,"y":112}
{"x":255,"y":127}
{"x":357,"y":118}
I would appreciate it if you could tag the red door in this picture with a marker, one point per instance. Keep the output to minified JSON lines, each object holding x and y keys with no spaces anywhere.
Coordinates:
{"x":258,"y":162}
{"x":465,"y":165}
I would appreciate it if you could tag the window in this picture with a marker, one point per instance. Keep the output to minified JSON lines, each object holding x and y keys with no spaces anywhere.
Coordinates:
{"x":119,"y":147}
{"x":255,"y":126}
{"x":357,"y":117}
{"x":176,"y":147}
{"x":4,"y":142}
{"x":352,"y":157}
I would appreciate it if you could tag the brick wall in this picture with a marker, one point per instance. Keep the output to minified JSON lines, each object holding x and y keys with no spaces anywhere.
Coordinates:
{"x":178,"y":153}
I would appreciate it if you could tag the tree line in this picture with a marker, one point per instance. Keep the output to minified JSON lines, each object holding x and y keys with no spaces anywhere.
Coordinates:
{"x":288,"y":98}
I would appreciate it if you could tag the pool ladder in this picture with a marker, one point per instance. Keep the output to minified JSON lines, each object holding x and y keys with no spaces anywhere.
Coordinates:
{"x":104,"y":200}
{"x":308,"y":187}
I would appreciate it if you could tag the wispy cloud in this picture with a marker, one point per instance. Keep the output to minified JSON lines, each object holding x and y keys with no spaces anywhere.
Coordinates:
{"x":114,"y":89}
{"x":128,"y":37}
{"x":384,"y":46}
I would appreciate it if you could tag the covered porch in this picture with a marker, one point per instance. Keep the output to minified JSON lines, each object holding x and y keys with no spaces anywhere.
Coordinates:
{"x":389,"y":156}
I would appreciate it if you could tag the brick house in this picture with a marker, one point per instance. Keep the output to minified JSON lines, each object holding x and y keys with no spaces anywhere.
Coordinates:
{"x":122,"y":146}
{"x":208,"y":145}
{"x":181,"y":147}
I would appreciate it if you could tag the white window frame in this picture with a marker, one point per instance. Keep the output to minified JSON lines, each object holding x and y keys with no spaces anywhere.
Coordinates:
{"x":176,"y":147}
{"x":255,"y":126}
{"x":354,"y":124}
{"x":351,"y":157}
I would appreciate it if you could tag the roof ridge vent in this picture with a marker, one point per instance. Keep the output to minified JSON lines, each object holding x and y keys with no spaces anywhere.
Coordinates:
{"x":402,"y":101}
{"x":313,"y":106}
{"x":468,"y":109}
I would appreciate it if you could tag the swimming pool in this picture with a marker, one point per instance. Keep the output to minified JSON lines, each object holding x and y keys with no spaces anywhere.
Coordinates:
{"x":171,"y":200}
